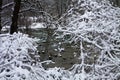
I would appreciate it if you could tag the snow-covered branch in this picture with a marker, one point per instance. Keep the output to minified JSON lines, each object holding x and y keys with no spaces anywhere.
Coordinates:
{"x":7,"y":5}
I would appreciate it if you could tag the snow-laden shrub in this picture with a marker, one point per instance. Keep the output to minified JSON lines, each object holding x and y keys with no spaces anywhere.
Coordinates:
{"x":95,"y":25}
{"x":59,"y":74}
{"x":19,"y":60}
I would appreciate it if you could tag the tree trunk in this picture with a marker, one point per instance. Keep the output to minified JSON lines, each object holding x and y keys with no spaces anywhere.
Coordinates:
{"x":0,"y":14}
{"x":14,"y":25}
{"x":118,"y":3}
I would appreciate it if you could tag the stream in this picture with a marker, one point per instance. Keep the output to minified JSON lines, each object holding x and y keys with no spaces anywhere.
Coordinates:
{"x":52,"y":47}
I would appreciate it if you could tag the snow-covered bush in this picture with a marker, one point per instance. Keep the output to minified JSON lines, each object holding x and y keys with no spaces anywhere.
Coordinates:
{"x":19,"y":60}
{"x":59,"y":74}
{"x":18,"y":57}
{"x":95,"y":25}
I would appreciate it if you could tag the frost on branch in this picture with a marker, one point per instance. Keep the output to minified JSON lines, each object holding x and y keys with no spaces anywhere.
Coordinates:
{"x":95,"y":25}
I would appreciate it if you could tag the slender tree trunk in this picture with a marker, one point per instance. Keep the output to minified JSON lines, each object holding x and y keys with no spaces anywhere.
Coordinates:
{"x":14,"y":25}
{"x":118,"y":3}
{"x":57,"y":8}
{"x":0,"y":14}
{"x":61,"y":8}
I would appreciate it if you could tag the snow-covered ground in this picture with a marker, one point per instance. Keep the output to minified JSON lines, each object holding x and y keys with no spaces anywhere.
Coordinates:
{"x":5,"y":28}
{"x":37,"y":25}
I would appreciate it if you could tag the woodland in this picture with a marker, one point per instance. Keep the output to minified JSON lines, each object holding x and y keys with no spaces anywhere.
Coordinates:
{"x":59,"y":39}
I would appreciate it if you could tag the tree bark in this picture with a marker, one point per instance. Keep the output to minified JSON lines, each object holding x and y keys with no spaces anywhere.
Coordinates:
{"x":14,"y":25}
{"x":0,"y":14}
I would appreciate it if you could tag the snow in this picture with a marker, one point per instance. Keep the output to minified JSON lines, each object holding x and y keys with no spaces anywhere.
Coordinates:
{"x":98,"y":27}
{"x":37,"y":25}
{"x":5,"y":28}
{"x":32,"y":26}
{"x":16,"y":60}
{"x":97,"y":33}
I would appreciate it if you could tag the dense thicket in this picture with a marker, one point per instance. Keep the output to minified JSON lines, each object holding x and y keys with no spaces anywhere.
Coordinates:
{"x":94,"y":26}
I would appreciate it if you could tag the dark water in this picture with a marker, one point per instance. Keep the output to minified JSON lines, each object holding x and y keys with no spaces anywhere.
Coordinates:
{"x":54,"y":47}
